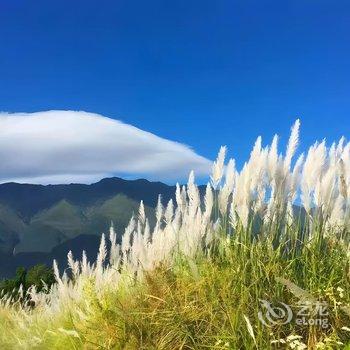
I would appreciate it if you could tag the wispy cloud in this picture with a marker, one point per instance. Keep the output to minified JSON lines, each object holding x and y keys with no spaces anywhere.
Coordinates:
{"x":70,"y":146}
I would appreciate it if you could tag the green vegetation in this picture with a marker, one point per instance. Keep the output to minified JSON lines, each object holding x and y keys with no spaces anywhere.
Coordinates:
{"x":204,"y":302}
{"x":39,"y":276}
{"x":64,"y":221}
{"x":38,"y":218}
{"x":241,"y":268}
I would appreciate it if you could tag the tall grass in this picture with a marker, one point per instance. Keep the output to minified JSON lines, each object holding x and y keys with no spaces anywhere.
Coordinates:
{"x":276,"y":231}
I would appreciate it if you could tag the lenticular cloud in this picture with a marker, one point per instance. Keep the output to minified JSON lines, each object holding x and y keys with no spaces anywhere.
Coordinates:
{"x":69,"y":146}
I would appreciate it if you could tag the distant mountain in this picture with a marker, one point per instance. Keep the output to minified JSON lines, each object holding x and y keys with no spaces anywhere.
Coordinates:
{"x":89,"y":243}
{"x":27,"y":200}
{"x":39,"y":223}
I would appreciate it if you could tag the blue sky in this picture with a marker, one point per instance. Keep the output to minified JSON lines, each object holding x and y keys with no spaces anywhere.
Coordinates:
{"x":203,"y":73}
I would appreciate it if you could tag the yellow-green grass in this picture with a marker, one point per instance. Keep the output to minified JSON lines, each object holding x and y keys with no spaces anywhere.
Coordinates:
{"x":210,"y":301}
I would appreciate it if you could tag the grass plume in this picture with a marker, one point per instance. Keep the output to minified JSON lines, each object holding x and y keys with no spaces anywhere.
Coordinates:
{"x":277,"y":230}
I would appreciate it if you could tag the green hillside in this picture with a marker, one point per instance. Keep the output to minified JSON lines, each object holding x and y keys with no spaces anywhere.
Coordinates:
{"x":118,"y":209}
{"x":65,"y":221}
{"x":41,"y":223}
{"x":37,"y":218}
{"x":11,"y":229}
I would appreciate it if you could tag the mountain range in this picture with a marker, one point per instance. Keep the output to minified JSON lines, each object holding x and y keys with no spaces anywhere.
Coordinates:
{"x":40,"y":223}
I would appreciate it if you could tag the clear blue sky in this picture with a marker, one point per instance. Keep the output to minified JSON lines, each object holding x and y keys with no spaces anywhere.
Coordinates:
{"x":204,"y":73}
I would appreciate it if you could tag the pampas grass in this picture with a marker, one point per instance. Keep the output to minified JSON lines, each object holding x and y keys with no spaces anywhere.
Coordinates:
{"x":195,"y":280}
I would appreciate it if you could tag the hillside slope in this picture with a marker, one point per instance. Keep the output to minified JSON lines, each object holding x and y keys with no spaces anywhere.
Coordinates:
{"x":36,"y":221}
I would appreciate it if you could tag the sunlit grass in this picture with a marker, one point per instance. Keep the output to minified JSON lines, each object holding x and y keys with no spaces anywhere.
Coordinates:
{"x":213,"y":271}
{"x":201,"y":302}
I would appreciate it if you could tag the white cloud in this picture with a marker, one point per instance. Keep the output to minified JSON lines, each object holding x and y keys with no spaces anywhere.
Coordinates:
{"x":69,"y":146}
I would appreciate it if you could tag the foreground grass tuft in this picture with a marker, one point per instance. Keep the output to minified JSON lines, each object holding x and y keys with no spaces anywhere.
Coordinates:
{"x":210,"y":301}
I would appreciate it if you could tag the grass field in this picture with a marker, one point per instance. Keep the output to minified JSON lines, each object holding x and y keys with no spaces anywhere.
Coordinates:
{"x":261,"y":262}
